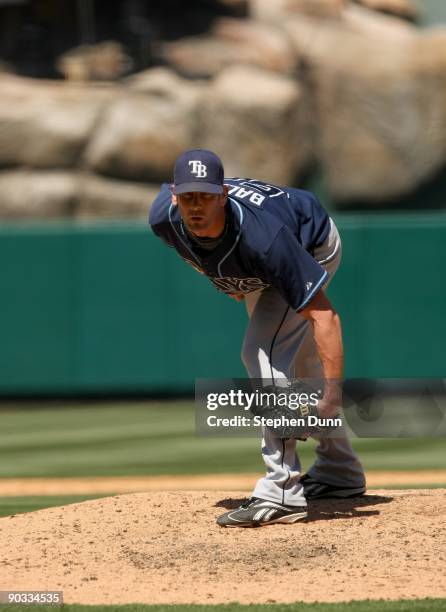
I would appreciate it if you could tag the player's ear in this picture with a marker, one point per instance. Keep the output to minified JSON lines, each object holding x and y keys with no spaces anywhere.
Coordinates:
{"x":174,"y":197}
{"x":225,"y":193}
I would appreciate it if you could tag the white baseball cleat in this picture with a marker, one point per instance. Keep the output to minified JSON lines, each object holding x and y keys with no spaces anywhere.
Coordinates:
{"x":256,"y":512}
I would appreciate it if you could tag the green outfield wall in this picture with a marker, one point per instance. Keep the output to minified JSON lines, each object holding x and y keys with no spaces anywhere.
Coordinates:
{"x":104,"y":308}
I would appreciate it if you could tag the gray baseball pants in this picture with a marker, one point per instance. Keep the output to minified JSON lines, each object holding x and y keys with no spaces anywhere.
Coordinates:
{"x":279,"y":343}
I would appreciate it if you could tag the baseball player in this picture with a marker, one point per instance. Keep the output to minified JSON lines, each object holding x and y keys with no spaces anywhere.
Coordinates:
{"x":277,"y":249}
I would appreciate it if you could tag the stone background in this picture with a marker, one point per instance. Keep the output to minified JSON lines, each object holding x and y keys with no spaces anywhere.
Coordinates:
{"x":277,"y":89}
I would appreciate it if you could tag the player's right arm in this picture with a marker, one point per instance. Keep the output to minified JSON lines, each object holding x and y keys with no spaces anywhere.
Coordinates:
{"x":300,"y":279}
{"x":238,"y":297}
{"x":327,"y":331}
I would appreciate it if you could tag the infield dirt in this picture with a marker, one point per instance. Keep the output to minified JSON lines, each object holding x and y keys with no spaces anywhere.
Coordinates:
{"x":164,"y":547}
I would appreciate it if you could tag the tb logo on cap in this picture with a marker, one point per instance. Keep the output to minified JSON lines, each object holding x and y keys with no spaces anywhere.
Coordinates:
{"x":198,"y":168}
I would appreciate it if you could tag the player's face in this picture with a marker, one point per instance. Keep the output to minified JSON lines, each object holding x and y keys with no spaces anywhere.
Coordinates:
{"x":203,"y":213}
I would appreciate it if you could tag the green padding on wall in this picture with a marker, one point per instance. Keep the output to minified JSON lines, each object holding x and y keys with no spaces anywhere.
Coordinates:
{"x":391,"y":293}
{"x":107,"y":308}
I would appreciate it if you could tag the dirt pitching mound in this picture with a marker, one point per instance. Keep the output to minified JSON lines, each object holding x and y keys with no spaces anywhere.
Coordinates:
{"x":166,"y":548}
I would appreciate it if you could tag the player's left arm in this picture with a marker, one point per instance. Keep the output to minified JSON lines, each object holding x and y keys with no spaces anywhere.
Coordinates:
{"x":327,"y":330}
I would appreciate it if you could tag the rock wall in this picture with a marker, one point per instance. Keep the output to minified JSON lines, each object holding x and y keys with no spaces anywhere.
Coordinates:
{"x":361,"y":93}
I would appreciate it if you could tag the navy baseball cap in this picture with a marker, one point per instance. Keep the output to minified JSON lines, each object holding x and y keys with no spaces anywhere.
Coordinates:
{"x":198,"y":170}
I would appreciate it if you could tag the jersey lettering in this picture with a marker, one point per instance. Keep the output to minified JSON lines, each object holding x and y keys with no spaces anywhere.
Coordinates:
{"x":272,"y":190}
{"x":232,"y":284}
{"x":233,"y":190}
{"x":255,"y":191}
{"x":257,"y":199}
{"x":243,"y":193}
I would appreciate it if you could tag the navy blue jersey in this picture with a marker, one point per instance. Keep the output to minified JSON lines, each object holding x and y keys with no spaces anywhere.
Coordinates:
{"x":271,"y":234}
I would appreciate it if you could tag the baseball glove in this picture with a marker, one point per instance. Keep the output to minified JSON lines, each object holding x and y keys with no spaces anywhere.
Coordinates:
{"x":291,"y":411}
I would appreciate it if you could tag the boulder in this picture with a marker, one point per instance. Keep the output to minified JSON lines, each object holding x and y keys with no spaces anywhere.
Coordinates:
{"x":37,"y":195}
{"x":162,"y":81}
{"x":404,"y":9}
{"x":372,"y":24}
{"x":279,"y":10}
{"x":105,"y":61}
{"x":202,"y":56}
{"x":100,"y":197}
{"x":143,"y":131}
{"x":232,"y":41}
{"x":255,"y":120}
{"x":46,"y":124}
{"x":271,"y":50}
{"x":379,"y":105}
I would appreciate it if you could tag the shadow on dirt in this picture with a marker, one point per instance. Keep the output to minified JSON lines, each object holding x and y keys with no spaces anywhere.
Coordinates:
{"x":328,"y":509}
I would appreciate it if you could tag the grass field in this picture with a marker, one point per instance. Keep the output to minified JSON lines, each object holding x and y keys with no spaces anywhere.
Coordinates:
{"x":105,"y":439}
{"x":20,"y":504}
{"x":420,"y":605}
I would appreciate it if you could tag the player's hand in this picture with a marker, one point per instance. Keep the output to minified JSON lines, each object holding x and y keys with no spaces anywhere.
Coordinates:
{"x":331,"y":404}
{"x":328,"y":409}
{"x":239,"y":297}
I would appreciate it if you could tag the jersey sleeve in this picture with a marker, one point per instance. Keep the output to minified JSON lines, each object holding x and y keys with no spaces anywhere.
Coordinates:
{"x":292,"y":271}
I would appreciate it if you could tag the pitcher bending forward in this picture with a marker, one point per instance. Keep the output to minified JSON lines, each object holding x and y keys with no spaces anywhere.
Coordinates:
{"x":277,"y":249}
